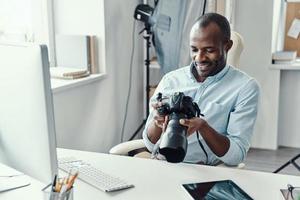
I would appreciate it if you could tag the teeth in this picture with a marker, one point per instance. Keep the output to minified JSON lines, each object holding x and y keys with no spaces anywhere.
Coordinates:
{"x":197,"y":64}
{"x":203,"y":65}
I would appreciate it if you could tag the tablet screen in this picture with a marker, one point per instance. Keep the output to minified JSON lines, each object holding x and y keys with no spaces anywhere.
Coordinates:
{"x":225,"y":189}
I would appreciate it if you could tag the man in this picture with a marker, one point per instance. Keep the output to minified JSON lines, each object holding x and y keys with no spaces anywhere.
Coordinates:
{"x":227,"y":97}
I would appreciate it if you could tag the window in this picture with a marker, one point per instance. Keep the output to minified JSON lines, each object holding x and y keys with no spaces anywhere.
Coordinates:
{"x":39,"y":21}
{"x":26,"y":21}
{"x":16,"y":22}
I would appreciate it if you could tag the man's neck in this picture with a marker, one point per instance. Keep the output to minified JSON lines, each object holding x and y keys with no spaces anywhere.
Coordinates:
{"x":200,"y":79}
{"x":197,"y":76}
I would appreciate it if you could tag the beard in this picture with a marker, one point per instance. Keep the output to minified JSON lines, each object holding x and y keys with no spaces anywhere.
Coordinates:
{"x":210,"y":67}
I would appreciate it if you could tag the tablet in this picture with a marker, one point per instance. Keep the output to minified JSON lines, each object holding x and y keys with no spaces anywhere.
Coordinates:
{"x":225,"y":189}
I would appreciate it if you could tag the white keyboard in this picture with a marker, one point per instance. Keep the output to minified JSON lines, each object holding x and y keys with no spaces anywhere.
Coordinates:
{"x":92,"y":175}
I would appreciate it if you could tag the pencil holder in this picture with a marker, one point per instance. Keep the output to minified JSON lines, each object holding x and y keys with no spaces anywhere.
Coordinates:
{"x":50,"y":195}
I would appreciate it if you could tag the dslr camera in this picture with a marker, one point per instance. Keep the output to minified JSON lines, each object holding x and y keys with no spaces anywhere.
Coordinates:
{"x":173,"y":143}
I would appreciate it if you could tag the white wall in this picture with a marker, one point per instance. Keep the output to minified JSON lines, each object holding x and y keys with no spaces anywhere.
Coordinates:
{"x":254,"y":21}
{"x":90,"y":117}
{"x":289,"y":109}
{"x":263,"y":31}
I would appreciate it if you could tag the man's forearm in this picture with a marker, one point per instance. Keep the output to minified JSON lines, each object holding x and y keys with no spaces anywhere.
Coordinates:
{"x":218,"y":143}
{"x":153,"y":132}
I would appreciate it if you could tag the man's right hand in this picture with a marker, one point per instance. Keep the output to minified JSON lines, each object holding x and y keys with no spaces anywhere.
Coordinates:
{"x":158,"y":125}
{"x":158,"y":119}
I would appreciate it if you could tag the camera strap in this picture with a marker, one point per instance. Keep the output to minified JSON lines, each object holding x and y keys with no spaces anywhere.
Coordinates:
{"x":155,"y":148}
{"x":155,"y":152}
{"x":202,"y":147}
{"x":197,"y":133}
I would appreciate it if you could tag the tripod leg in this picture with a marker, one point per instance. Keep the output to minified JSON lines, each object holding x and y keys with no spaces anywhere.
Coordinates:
{"x":291,"y":161}
{"x":282,"y":167}
{"x":294,"y":162}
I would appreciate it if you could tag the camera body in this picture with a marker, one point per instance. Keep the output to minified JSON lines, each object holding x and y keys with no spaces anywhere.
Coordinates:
{"x":174,"y":140}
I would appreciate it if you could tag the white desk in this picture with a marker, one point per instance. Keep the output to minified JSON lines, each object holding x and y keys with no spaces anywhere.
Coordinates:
{"x":33,"y":191}
{"x":149,"y":176}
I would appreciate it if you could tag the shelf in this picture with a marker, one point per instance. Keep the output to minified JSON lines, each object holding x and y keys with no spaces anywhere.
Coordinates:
{"x":59,"y":85}
{"x":294,"y":66}
{"x":293,"y":1}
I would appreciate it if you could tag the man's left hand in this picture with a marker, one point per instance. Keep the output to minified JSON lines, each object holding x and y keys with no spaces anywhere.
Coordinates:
{"x":194,"y":124}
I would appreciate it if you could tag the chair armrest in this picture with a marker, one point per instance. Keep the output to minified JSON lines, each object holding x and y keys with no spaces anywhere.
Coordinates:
{"x":125,"y":147}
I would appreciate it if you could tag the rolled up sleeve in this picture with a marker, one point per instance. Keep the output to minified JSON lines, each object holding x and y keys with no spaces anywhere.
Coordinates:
{"x":241,"y":124}
{"x":146,"y":140}
{"x":162,"y":86}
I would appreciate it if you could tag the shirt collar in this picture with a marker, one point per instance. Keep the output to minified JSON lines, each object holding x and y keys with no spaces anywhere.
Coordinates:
{"x":215,"y":77}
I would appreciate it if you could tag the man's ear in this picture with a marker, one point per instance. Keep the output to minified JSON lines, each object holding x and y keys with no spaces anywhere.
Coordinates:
{"x":228,"y":45}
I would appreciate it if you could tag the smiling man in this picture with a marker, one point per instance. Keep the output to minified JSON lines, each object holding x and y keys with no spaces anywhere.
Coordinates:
{"x":227,"y":97}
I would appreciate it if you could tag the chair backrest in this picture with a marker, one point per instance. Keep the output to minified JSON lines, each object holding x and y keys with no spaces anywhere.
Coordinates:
{"x":233,"y":57}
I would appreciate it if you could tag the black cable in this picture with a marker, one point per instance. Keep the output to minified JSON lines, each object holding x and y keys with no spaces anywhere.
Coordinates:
{"x":130,"y":81}
{"x":204,"y":6}
{"x":200,"y":143}
{"x":202,"y":147}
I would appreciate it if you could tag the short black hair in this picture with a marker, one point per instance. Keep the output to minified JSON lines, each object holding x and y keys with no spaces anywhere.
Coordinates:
{"x":219,"y":20}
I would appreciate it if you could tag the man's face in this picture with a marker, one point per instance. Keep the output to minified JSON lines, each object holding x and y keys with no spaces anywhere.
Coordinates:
{"x":208,"y":50}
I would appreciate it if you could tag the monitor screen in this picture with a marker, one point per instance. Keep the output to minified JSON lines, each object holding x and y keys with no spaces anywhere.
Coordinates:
{"x":225,"y":189}
{"x":27,"y":131}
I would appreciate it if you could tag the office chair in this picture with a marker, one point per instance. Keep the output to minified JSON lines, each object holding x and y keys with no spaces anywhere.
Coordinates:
{"x":234,"y":54}
{"x":137,"y":147}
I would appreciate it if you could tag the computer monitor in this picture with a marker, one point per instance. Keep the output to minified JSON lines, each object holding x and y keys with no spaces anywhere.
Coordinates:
{"x":27,"y":130}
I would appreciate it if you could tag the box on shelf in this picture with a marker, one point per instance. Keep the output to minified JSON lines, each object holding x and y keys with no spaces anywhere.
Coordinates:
{"x":284,"y":55}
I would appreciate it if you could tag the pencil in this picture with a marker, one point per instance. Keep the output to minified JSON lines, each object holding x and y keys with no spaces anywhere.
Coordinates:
{"x":71,"y":182}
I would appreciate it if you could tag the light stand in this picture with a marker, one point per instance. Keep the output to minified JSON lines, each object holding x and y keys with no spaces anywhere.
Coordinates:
{"x":147,"y":37}
{"x":144,"y":13}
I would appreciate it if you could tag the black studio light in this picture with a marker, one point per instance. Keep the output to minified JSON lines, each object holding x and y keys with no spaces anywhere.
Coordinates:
{"x":151,"y":18}
{"x":144,"y":12}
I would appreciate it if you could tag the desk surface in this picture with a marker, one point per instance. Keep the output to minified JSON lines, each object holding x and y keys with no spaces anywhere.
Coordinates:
{"x":149,"y":176}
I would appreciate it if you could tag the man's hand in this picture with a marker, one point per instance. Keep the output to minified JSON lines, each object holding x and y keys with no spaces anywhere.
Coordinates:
{"x":159,"y":120}
{"x":158,"y":124}
{"x":194,"y":124}
{"x":219,"y":144}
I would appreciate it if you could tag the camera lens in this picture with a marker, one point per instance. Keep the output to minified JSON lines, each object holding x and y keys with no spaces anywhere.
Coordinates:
{"x":174,"y":142}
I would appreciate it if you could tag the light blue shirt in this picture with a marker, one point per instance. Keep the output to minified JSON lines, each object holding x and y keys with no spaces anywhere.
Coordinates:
{"x":229,"y":102}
